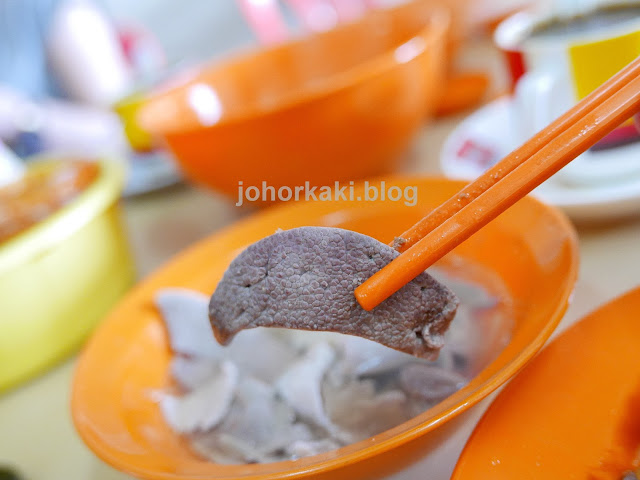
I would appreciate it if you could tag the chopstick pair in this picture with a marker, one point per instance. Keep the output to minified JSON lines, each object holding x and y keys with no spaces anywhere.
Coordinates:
{"x":505,"y":183}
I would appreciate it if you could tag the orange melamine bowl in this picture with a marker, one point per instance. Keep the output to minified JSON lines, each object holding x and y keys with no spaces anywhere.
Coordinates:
{"x":574,"y":412}
{"x":339,"y":105}
{"x":530,"y":251}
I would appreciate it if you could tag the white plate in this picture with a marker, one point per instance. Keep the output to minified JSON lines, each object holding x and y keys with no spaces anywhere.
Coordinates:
{"x":487,"y":135}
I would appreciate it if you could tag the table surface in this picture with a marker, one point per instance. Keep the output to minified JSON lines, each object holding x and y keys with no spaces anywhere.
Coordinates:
{"x":36,"y":434}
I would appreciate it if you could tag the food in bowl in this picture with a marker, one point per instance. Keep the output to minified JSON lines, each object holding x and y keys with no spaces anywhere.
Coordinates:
{"x":631,"y":475}
{"x":40,"y":193}
{"x":526,"y":258}
{"x":275,"y":394}
{"x":304,"y":278}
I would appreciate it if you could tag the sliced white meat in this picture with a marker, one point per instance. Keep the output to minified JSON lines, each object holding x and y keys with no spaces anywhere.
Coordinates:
{"x":191,"y":372}
{"x":301,"y":385}
{"x":429,"y":382}
{"x":204,"y":407}
{"x":185,"y":315}
{"x":357,"y":409}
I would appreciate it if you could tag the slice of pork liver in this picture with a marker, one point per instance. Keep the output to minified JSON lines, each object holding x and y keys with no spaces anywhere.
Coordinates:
{"x":304,"y":278}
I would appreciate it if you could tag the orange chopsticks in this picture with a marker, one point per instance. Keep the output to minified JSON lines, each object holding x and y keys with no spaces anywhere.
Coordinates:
{"x":507,"y":182}
{"x":517,"y":157}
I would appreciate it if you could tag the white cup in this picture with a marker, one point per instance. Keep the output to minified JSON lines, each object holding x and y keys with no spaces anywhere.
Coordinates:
{"x":551,"y":72}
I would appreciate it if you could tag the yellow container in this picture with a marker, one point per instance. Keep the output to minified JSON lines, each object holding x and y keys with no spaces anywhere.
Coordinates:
{"x":59,"y":277}
{"x":127,"y":108}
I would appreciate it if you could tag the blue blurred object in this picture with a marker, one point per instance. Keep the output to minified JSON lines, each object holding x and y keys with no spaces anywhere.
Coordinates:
{"x":23,"y":58}
{"x":27,"y":143}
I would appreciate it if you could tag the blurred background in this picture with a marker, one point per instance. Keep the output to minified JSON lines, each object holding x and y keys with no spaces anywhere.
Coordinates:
{"x":125,"y":128}
{"x":214,"y":27}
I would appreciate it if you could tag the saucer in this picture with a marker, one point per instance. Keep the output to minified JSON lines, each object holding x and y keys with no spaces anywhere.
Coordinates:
{"x":486,"y":136}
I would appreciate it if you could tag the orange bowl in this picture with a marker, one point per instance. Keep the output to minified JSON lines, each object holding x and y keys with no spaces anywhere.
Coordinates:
{"x":339,"y":105}
{"x":574,"y":412}
{"x":529,"y":252}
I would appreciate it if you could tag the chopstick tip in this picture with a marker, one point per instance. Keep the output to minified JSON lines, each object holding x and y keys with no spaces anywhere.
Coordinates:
{"x":363,"y":298}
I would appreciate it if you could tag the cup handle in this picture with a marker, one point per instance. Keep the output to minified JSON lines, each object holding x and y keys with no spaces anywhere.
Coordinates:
{"x":538,"y":100}
{"x":612,"y":165}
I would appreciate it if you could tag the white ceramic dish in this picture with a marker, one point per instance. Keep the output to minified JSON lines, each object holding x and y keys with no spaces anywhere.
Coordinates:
{"x":487,"y":135}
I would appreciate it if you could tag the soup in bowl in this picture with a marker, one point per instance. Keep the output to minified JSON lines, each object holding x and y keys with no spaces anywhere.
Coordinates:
{"x":526,"y":259}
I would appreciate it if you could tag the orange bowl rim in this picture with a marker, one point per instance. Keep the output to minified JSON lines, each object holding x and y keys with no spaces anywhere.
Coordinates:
{"x":434,"y":31}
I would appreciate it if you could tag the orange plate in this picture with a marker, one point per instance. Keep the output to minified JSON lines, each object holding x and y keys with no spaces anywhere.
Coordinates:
{"x":337,"y":105}
{"x":574,"y":412}
{"x":531,"y":249}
